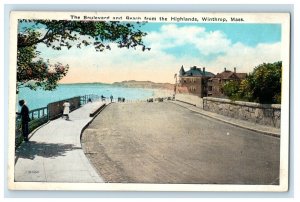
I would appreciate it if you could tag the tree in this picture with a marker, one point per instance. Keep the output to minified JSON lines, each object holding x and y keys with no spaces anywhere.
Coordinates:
{"x":231,"y":89}
{"x":34,"y":72}
{"x":264,"y":84}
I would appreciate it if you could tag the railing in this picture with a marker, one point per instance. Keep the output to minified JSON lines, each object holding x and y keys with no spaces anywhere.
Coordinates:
{"x":38,"y":113}
{"x":37,"y":117}
{"x":87,"y":98}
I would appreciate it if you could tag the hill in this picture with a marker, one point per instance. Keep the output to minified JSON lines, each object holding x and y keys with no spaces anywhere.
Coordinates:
{"x":144,"y":84}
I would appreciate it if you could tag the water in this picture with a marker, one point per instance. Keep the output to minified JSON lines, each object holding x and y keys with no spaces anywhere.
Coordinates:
{"x":41,"y":98}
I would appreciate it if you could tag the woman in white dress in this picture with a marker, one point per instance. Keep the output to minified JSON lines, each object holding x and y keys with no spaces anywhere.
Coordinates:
{"x":66,"y":112}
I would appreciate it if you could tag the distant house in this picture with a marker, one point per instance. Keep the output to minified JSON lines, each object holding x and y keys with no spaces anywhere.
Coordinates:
{"x":215,"y":84}
{"x":194,"y":81}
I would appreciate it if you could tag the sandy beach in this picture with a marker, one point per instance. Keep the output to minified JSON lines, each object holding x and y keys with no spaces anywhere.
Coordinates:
{"x":162,"y":93}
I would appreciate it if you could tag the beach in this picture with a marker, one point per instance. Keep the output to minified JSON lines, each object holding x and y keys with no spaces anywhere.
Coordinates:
{"x":162,"y":93}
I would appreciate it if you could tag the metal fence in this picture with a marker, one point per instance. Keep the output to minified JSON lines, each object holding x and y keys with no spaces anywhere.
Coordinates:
{"x":37,"y":117}
{"x":88,"y":98}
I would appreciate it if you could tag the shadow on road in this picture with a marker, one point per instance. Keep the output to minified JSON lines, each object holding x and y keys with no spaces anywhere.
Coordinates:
{"x":31,"y":149}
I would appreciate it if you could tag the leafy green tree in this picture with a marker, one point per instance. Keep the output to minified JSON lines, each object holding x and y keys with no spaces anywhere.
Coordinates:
{"x":34,"y":72}
{"x":245,"y":90}
{"x":264,"y":84}
{"x":231,"y":89}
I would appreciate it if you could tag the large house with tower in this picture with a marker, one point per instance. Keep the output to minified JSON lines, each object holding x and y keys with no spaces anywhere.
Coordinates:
{"x":193,"y":81}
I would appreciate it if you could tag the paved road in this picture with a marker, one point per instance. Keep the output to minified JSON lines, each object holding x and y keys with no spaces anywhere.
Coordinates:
{"x":166,"y":143}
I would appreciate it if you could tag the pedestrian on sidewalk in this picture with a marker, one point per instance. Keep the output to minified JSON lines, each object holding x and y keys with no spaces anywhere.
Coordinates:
{"x":111,"y":98}
{"x":25,"y":119}
{"x":66,"y":112}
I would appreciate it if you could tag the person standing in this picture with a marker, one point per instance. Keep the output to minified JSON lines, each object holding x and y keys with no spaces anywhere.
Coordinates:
{"x":25,"y":119}
{"x":66,"y":112}
{"x":111,"y":98}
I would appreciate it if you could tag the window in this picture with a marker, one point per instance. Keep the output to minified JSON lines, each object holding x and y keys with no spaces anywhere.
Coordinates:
{"x":192,"y":89}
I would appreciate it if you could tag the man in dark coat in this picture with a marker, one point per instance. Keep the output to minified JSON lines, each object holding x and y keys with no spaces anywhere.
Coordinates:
{"x":25,"y":119}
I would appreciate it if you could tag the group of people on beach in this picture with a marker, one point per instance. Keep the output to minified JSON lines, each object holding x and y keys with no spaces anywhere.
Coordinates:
{"x":103,"y":98}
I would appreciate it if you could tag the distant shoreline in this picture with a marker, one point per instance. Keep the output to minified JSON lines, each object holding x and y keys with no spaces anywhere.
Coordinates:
{"x":159,"y":89}
{"x":131,"y":84}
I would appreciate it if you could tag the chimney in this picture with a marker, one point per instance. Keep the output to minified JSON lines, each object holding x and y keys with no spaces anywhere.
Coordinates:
{"x":204,"y":70}
{"x":235,"y":70}
{"x":224,"y":69}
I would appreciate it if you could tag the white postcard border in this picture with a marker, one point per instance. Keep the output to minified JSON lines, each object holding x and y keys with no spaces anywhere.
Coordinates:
{"x":281,"y":18}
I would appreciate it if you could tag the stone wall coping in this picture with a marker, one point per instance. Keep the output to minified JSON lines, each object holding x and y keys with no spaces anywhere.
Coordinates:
{"x":243,"y":103}
{"x":218,"y":99}
{"x":189,"y":94}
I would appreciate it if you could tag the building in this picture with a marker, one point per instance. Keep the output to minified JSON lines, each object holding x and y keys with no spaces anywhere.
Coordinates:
{"x":193,"y":81}
{"x":215,"y":84}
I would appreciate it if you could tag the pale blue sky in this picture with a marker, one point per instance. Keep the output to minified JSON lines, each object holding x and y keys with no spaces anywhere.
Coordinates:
{"x":249,"y":34}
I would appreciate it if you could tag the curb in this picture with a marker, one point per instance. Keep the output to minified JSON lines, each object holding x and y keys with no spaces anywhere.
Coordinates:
{"x":186,"y":103}
{"x":102,"y":107}
{"x":95,"y":115}
{"x":234,"y":124}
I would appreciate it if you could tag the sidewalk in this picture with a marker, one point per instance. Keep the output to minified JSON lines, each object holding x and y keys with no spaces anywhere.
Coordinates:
{"x":54,"y":152}
{"x":267,"y":130}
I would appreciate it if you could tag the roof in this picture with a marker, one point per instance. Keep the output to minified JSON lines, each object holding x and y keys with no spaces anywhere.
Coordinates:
{"x":231,"y":75}
{"x":194,"y":71}
{"x":241,"y":75}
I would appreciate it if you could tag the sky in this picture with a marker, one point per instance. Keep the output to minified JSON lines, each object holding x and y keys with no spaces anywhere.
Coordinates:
{"x":210,"y":45}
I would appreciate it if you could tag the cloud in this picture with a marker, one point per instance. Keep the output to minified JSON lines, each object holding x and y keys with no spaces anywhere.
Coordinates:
{"x":206,"y":42}
{"x":245,"y":58}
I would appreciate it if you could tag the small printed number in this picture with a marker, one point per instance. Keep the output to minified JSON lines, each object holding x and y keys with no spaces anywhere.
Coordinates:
{"x":33,"y":171}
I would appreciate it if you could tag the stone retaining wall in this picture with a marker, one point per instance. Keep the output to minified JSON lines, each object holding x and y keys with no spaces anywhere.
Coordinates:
{"x":264,"y":114}
{"x":191,"y":99}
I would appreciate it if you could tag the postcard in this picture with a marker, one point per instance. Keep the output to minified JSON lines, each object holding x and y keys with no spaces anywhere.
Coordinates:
{"x":149,"y":101}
